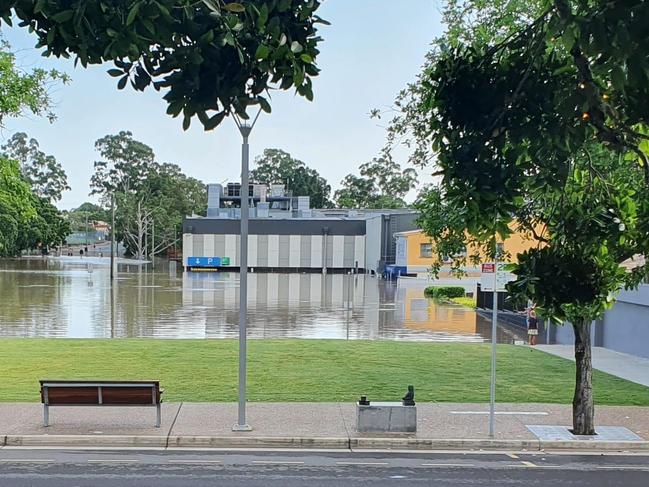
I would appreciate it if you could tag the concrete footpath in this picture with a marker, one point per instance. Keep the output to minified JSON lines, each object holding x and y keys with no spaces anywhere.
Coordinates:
{"x":441,"y":426}
{"x":629,"y":367}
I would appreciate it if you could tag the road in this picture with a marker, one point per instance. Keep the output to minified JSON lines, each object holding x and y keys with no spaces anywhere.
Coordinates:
{"x":176,"y":468}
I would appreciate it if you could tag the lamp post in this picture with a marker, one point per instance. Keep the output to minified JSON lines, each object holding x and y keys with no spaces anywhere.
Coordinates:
{"x":494,"y":330}
{"x":112,"y":237}
{"x":244,"y":129}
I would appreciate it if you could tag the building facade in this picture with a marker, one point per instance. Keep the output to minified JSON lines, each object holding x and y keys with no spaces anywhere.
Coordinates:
{"x":415,"y":252}
{"x":286,"y":235}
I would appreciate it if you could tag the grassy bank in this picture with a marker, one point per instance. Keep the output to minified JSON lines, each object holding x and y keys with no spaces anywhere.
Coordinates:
{"x":304,"y":370}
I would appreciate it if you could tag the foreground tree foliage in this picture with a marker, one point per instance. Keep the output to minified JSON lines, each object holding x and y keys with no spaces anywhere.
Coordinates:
{"x":275,"y":166}
{"x":539,"y":121}
{"x":382,"y":184}
{"x":212,"y":58}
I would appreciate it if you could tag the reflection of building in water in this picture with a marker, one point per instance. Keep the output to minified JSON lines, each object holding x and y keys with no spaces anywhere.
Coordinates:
{"x":417,"y":311}
{"x":302,"y":305}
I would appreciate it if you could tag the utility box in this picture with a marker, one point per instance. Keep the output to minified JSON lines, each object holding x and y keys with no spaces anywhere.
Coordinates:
{"x":386,"y":417}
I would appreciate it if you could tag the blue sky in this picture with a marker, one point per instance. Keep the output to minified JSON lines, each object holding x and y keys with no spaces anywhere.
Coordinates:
{"x":371,"y":51}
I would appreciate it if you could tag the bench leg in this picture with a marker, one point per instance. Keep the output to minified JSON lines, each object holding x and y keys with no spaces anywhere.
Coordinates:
{"x":157,"y":416}
{"x":46,"y":415}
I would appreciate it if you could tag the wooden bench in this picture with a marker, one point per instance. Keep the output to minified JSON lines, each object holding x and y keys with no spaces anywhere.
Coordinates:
{"x":100,"y":393}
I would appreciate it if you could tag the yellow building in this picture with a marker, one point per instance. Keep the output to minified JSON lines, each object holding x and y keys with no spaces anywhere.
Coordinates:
{"x":415,"y":251}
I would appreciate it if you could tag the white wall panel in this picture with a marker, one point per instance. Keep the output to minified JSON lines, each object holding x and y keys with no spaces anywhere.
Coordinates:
{"x":208,"y":246}
{"x":316,"y":251}
{"x":359,"y":250}
{"x":231,"y":249}
{"x":273,"y":251}
{"x":252,"y":250}
{"x":294,"y":251}
{"x":188,"y":247}
{"x":338,"y":250}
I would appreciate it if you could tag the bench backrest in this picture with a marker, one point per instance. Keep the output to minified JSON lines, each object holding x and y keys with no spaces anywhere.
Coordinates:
{"x":95,"y":393}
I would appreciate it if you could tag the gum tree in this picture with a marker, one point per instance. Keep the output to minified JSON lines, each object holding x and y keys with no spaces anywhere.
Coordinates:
{"x":543,"y":124}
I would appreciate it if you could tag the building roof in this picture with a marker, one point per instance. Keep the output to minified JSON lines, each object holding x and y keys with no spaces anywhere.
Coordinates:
{"x":408,"y":232}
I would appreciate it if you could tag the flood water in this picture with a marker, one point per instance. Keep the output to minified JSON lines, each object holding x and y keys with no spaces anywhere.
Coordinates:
{"x":69,"y":297}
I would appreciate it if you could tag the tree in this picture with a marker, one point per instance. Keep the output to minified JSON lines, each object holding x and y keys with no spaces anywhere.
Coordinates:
{"x":24,"y":91}
{"x":124,"y":166}
{"x":151,"y":199}
{"x":275,"y":166}
{"x":382,"y":184}
{"x":16,"y":208}
{"x":545,"y":126}
{"x":43,"y":172}
{"x":27,"y":219}
{"x":212,"y":57}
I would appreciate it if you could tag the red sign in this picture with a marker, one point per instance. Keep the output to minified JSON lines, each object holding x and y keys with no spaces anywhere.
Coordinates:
{"x":488,"y":268}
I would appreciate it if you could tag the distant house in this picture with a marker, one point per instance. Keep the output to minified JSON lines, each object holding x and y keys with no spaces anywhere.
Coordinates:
{"x":415,"y":251}
{"x":101,"y":230}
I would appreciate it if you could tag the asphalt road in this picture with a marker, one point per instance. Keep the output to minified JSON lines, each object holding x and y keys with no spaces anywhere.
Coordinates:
{"x":67,"y":468}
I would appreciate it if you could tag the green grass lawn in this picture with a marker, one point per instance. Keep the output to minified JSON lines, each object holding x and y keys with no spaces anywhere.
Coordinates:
{"x":304,"y":370}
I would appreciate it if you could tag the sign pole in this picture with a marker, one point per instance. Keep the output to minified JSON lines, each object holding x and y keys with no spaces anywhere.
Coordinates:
{"x":494,"y":329}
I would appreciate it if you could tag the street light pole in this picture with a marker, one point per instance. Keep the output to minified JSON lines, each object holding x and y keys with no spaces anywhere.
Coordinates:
{"x":245,"y":130}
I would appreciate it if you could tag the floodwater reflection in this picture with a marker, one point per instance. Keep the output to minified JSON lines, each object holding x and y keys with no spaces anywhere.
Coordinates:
{"x":69,"y":298}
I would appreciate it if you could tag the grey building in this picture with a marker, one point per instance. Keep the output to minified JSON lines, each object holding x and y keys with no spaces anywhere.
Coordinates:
{"x":624,"y":328}
{"x":285,"y":234}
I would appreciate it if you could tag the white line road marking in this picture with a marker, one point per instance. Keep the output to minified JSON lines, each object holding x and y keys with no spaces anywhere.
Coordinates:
{"x":110,"y":460}
{"x":505,"y":413}
{"x":625,"y":467}
{"x":195,"y":461}
{"x":447,"y":464}
{"x":276,"y":462}
{"x":529,"y":464}
{"x":362,"y":463}
{"x":24,"y":460}
{"x":511,"y":455}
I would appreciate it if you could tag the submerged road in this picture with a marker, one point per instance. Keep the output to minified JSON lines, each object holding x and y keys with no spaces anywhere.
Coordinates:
{"x":94,"y":468}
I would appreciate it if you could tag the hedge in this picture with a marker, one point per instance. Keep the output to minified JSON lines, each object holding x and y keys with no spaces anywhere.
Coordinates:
{"x":445,"y":292}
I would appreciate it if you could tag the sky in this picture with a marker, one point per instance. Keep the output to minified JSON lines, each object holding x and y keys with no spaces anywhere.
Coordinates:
{"x":370,"y":52}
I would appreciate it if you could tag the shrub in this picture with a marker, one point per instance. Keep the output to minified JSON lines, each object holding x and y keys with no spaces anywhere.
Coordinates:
{"x":445,"y":292}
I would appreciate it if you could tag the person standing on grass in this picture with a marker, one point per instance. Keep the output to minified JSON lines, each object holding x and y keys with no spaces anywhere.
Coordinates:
{"x":532,"y":327}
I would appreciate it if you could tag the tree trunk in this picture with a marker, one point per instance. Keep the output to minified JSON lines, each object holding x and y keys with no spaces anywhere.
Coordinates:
{"x":583,"y":406}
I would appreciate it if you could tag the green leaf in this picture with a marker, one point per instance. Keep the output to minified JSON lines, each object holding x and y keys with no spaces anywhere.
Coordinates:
{"x":214,"y":121}
{"x":133,"y":13}
{"x":234,"y":7}
{"x":186,"y":122}
{"x":263,"y":103}
{"x":207,"y":37}
{"x":115,"y":72}
{"x":296,"y":47}
{"x":618,"y":78}
{"x":306,"y":58}
{"x":262,"y":52}
{"x":263,"y":15}
{"x":122,"y":82}
{"x":63,"y":16}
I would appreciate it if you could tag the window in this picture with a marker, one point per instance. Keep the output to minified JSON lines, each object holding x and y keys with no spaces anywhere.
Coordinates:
{"x":426,"y":250}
